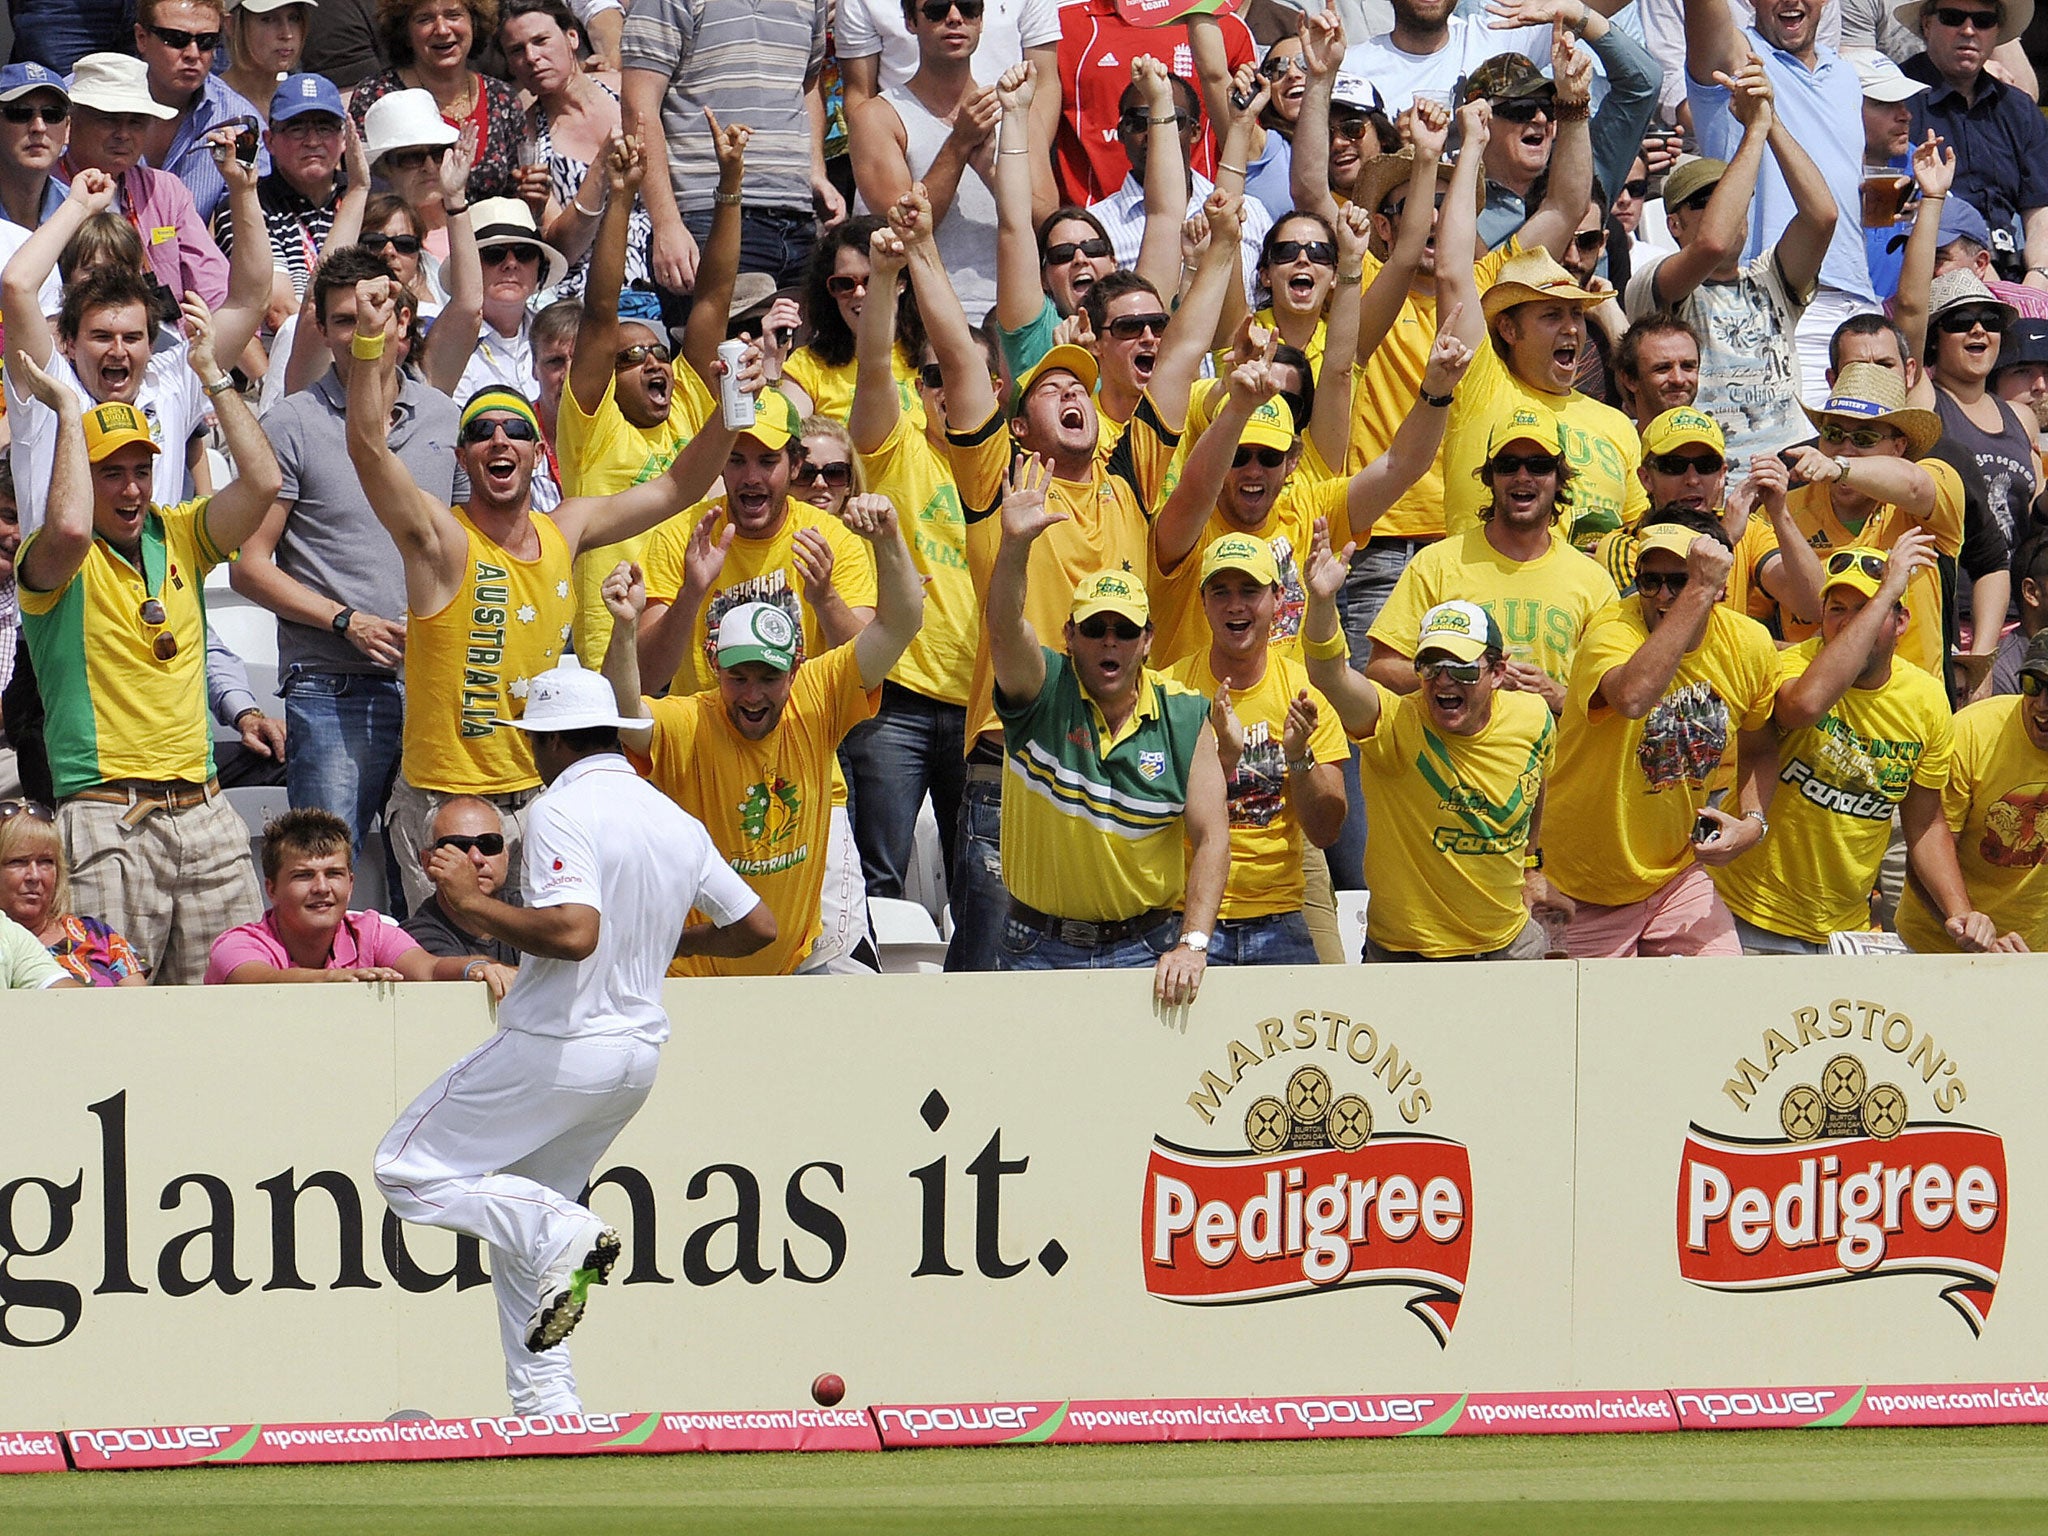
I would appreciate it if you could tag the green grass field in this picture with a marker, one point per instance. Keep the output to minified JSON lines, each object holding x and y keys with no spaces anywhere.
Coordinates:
{"x":1759,"y":1484}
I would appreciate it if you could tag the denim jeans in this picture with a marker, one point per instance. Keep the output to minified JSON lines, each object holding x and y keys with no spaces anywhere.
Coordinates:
{"x":777,"y":241}
{"x":1367,"y":586}
{"x":1279,"y":938}
{"x":913,"y":745}
{"x":342,"y":736}
{"x":1762,"y":941}
{"x":975,"y":882}
{"x":1024,"y":948}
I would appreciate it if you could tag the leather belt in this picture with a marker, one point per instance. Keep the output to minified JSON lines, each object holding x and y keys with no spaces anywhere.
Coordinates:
{"x":984,"y":773}
{"x":144,"y":796}
{"x":1085,"y":935}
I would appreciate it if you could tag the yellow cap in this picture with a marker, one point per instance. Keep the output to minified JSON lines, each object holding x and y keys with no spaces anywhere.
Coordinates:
{"x":112,"y":426}
{"x":1241,"y":552}
{"x":1672,"y":538}
{"x":775,"y":420}
{"x":1078,"y":361}
{"x":1858,"y":567}
{"x":1111,"y":592}
{"x":1533,"y":422}
{"x":1271,"y":426}
{"x":1683,"y":425}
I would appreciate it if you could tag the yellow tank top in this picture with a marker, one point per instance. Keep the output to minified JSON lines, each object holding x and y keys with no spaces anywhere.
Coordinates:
{"x":467,"y":665}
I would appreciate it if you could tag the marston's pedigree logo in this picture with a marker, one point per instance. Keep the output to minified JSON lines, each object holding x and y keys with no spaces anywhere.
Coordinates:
{"x":1853,"y":1186}
{"x":1315,"y":1200}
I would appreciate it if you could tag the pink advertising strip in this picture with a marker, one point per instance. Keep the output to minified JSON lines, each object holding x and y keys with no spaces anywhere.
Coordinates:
{"x":31,"y":1451}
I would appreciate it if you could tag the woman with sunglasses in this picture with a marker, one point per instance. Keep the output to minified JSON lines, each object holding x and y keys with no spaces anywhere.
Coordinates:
{"x":829,"y":471}
{"x":35,"y":891}
{"x":429,"y":43}
{"x":818,"y":376}
{"x":265,"y":41}
{"x":1269,"y":159}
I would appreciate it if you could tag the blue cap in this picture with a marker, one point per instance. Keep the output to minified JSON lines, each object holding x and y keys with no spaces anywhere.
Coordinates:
{"x":20,"y":79}
{"x":2026,"y":342}
{"x":300,"y":94}
{"x":1961,"y":221}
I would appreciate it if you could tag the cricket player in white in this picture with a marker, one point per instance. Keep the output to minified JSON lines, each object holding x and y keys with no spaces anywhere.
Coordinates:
{"x":502,"y":1145}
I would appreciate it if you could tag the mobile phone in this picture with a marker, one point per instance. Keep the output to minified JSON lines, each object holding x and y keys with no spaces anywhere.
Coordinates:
{"x":246,"y":139}
{"x":1705,"y":829}
{"x":1238,"y":99}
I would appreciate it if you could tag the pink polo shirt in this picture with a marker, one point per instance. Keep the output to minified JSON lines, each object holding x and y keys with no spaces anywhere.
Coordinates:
{"x":181,"y":254}
{"x":365,"y":938}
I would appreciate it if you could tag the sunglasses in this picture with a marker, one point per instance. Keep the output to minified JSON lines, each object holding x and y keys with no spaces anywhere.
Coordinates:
{"x":413,"y":159}
{"x":1131,"y":327}
{"x":1515,"y":463}
{"x":1842,"y":559}
{"x":939,"y":10}
{"x":153,"y":617}
{"x":1525,"y":110}
{"x":1319,"y":252}
{"x":1101,"y":626}
{"x":1136,"y":121}
{"x":1465,"y":672}
{"x":1349,"y":125}
{"x":172,"y":37}
{"x":37,"y":811}
{"x":1649,"y":583}
{"x":1950,"y":16}
{"x":1590,"y":239}
{"x":404,"y":245}
{"x":2030,"y":684}
{"x":840,"y":286}
{"x":36,"y":111}
{"x":1960,"y":322}
{"x":1862,"y":437}
{"x":1638,"y":189}
{"x":1269,"y":458}
{"x":489,"y":844}
{"x":1059,"y":255}
{"x":493,"y":255}
{"x":1394,"y":210}
{"x":838,"y":474}
{"x":640,"y":352}
{"x":1679,"y":463}
{"x":1697,"y":203}
{"x":516,"y":429}
{"x":1281,"y":67}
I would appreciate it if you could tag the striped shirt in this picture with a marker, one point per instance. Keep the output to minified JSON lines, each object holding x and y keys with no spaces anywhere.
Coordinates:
{"x":747,"y":62}
{"x":298,"y":227}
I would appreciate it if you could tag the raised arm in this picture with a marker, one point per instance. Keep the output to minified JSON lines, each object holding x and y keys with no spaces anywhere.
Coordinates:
{"x":21,"y":284}
{"x":1020,"y":294}
{"x":1807,"y":697}
{"x":666,"y":629}
{"x":899,"y":589}
{"x":1166,"y":177}
{"x":1570,"y":186}
{"x":1934,"y":170}
{"x":55,"y":551}
{"x":1013,"y":644}
{"x":1352,"y":694}
{"x":718,"y":268}
{"x":453,"y":335}
{"x":1634,"y":687}
{"x":250,"y":265}
{"x":593,"y":361}
{"x":1177,"y":528}
{"x":1804,"y":244}
{"x":875,"y":406}
{"x":1712,"y":43}
{"x":625,"y":598}
{"x":970,"y":397}
{"x":1329,"y":424}
{"x":1429,"y":127}
{"x":1408,"y":457}
{"x":1193,"y":326}
{"x":1457,"y":230}
{"x":237,"y":509}
{"x":1725,"y":225}
{"x":1322,"y":54}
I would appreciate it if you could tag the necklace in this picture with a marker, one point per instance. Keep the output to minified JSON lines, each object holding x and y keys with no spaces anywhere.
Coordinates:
{"x":463,"y":104}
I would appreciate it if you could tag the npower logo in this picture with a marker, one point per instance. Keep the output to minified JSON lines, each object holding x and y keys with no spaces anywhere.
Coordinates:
{"x":1852,"y":1187}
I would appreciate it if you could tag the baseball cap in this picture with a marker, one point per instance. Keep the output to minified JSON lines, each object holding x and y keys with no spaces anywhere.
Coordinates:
{"x":2036,"y":659}
{"x":757,"y":632}
{"x":1882,"y":79}
{"x":114,"y":426}
{"x":1357,"y":92}
{"x":1270,"y":426}
{"x":299,"y":94}
{"x":20,"y":79}
{"x":1671,"y":538}
{"x":1858,"y":567}
{"x":1506,"y":76}
{"x":1533,"y":422}
{"x":775,"y":420}
{"x":1078,"y":361}
{"x":1463,"y":629}
{"x":2026,"y":342}
{"x":1960,"y":220}
{"x":1691,"y":176}
{"x":1115,"y":592}
{"x":567,"y":697}
{"x":1241,"y":552}
{"x":1682,"y":425}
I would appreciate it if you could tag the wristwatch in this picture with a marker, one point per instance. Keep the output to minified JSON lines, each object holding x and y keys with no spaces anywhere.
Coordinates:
{"x":1758,"y":818}
{"x":220,"y":386}
{"x":1197,"y":942}
{"x":339,"y":623}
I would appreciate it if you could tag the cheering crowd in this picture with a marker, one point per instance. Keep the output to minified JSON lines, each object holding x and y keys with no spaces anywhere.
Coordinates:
{"x":1571,"y":471}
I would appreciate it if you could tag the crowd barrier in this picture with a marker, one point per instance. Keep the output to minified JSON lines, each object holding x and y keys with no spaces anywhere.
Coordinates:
{"x":1460,"y":1199}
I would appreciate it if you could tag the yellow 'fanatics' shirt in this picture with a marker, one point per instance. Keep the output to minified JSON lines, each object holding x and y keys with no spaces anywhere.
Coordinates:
{"x":602,"y":454}
{"x":1180,"y":625}
{"x":114,"y":709}
{"x":767,"y":804}
{"x":1839,"y":780}
{"x":1618,"y":818}
{"x":1265,"y":833}
{"x":1447,"y":822}
{"x":469,"y":664}
{"x":1542,"y":606}
{"x":1996,"y":801}
{"x":756,"y":571}
{"x":910,"y":472}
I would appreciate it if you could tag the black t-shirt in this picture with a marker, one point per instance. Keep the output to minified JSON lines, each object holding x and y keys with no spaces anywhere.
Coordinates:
{"x":439,"y":934}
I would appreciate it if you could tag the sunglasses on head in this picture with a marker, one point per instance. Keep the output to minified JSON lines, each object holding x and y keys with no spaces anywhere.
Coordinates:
{"x":516,"y":428}
{"x":1842,"y":559}
{"x":1349,"y":125}
{"x":1862,"y":437}
{"x":34,"y":809}
{"x":1515,"y":463}
{"x":152,"y":614}
{"x":938,"y":10}
{"x":836,"y":473}
{"x":492,"y":255}
{"x":1269,"y":458}
{"x":641,"y":351}
{"x":1650,"y":583}
{"x":1678,"y":463}
{"x":1590,"y":239}
{"x":172,"y":37}
{"x":1319,"y":252}
{"x":841,"y":286}
{"x":1960,"y":322}
{"x":1638,"y":189}
{"x":32,"y":111}
{"x":1130,"y":327}
{"x":1137,"y":120}
{"x":1280,"y":66}
{"x":413,"y":159}
{"x":1955,"y":16}
{"x":1059,"y":255}
{"x":1524,"y":109}
{"x":1101,"y":625}
{"x":404,"y":245}
{"x":1465,"y":672}
{"x":489,"y":844}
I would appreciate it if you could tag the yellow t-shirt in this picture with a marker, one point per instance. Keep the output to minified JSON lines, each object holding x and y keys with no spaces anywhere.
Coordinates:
{"x":1814,"y":512}
{"x":767,"y":804}
{"x":1601,"y":445}
{"x":1542,"y":606}
{"x":1617,"y":822}
{"x":1447,"y":822}
{"x":1180,"y":626}
{"x":831,"y":388}
{"x":756,"y":571}
{"x":468,"y":665}
{"x":1996,"y":800}
{"x":1317,"y":343}
{"x":1205,"y":399}
{"x":910,"y":472}
{"x":1839,"y":780}
{"x":1265,"y":833}
{"x":1383,"y":396}
{"x":602,"y":454}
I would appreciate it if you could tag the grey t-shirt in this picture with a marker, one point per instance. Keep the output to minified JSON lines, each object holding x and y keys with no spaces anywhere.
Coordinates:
{"x":332,"y":541}
{"x":441,"y":936}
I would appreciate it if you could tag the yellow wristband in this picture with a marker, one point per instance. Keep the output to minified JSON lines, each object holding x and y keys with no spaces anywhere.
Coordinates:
{"x":367,"y":348}
{"x":1325,"y":650}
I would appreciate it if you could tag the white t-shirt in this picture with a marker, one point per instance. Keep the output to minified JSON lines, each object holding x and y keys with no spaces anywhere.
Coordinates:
{"x":1400,"y":75}
{"x":601,"y":836}
{"x":863,"y":28}
{"x":1122,"y":217}
{"x":500,"y":359}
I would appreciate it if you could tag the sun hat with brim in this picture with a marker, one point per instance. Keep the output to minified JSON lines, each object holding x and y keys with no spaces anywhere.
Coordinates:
{"x":2025,"y":343}
{"x":1671,"y":538}
{"x":1271,"y":426}
{"x":19,"y":79}
{"x":1866,"y":394}
{"x":2015,"y":16}
{"x":750,"y":291}
{"x":1881,"y":78}
{"x":1692,"y":175}
{"x":775,"y":420}
{"x":1964,"y":289}
{"x":509,"y":221}
{"x":296,"y":95}
{"x":1241,"y":552}
{"x":404,"y":120}
{"x":115,"y":83}
{"x":1078,"y":361}
{"x":1526,"y":423}
{"x":1682,"y":425}
{"x":1381,"y":174}
{"x":567,"y":697}
{"x":757,"y":632}
{"x":1460,"y":629}
{"x":1533,"y":277}
{"x":260,"y":7}
{"x":114,"y":426}
{"x":1862,"y":569}
{"x":1115,"y":592}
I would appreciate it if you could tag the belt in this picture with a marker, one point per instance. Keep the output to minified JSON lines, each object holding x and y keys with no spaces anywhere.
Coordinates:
{"x":1084,"y":935}
{"x":144,"y":796}
{"x":984,"y":773}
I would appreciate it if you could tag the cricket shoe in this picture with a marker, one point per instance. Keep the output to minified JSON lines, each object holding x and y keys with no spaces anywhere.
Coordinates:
{"x":565,"y":1288}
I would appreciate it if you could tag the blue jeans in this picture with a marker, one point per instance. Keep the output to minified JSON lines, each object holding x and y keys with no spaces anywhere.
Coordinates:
{"x":975,"y":881}
{"x":914,"y":744}
{"x":777,"y":241}
{"x":342,"y":736}
{"x":1762,"y":941}
{"x":1367,"y":586}
{"x":1279,"y":938}
{"x":1024,"y":948}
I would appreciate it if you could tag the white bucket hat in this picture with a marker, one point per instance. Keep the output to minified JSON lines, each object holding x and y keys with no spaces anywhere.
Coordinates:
{"x":569,"y":697}
{"x":117,"y":83}
{"x":403,"y":120}
{"x":508,"y":221}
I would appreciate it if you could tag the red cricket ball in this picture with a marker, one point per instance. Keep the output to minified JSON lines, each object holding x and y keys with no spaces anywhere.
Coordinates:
{"x":827,"y":1390}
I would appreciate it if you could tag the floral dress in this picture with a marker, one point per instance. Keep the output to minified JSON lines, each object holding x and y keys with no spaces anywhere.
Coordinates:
{"x":95,"y":954}
{"x":565,"y":180}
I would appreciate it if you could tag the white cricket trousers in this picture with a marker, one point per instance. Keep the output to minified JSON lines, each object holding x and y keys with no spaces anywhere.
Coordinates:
{"x":499,"y":1148}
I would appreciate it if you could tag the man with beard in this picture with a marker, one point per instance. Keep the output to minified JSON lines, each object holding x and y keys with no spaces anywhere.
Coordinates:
{"x":487,"y":584}
{"x":1662,"y":681}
